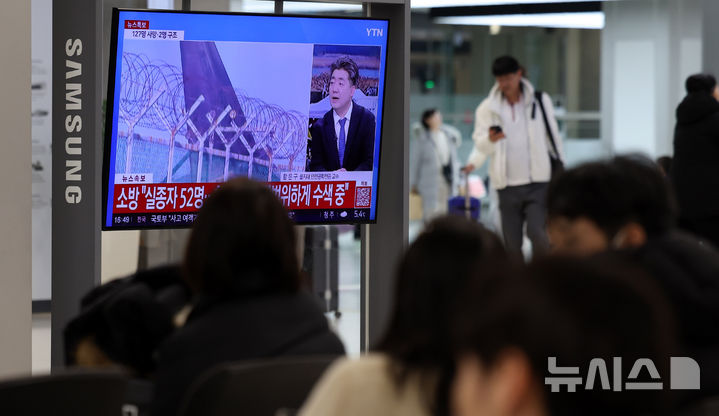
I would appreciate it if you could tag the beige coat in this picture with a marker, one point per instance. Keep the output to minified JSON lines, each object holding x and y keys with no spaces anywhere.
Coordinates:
{"x":363,"y":387}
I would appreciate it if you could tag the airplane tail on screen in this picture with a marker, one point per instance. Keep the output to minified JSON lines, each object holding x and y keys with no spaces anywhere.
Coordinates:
{"x":204,"y":74}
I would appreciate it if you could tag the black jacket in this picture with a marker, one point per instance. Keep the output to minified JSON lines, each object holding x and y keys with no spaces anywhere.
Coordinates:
{"x":359,"y":148}
{"x":695,"y":168}
{"x":129,"y":318}
{"x":225,"y":331}
{"x":689,"y":274}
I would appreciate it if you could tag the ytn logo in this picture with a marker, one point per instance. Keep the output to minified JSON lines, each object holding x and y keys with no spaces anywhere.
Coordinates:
{"x":374,"y":32}
{"x":685,"y":375}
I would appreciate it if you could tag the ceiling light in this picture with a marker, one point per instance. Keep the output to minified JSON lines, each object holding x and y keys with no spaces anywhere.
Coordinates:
{"x":586,"y":20}
{"x":423,"y":4}
{"x":290,"y":7}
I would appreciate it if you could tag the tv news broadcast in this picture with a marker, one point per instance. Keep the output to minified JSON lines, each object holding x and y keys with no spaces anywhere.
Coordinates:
{"x":197,"y":98}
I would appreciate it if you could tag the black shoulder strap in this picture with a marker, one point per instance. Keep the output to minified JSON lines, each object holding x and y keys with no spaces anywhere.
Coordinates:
{"x":538,"y":96}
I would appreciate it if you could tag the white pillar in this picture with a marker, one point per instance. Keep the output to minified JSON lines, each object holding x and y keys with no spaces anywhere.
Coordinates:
{"x":648,"y":48}
{"x":15,"y":190}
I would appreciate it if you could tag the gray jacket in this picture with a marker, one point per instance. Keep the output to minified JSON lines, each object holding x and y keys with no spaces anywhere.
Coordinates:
{"x":424,"y":166}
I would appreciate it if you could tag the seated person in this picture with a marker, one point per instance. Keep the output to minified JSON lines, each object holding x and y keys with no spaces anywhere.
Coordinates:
{"x":625,"y":203}
{"x":574,"y":310}
{"x":242,"y":267}
{"x":343,"y":140}
{"x":121,"y":323}
{"x":410,"y":373}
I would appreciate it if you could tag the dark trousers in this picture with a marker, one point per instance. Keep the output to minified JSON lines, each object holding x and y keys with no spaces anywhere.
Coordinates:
{"x":524,"y":204}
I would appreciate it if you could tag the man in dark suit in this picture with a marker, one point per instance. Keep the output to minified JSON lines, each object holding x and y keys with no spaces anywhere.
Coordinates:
{"x":343,"y":140}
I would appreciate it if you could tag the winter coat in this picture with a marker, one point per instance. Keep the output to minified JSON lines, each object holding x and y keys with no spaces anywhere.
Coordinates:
{"x":425,"y":169}
{"x":225,"y":331}
{"x":127,"y":319}
{"x":695,"y":168}
{"x":689,"y":274}
{"x":488,"y":114}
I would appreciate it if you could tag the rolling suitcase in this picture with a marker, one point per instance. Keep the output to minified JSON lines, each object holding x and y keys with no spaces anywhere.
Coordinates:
{"x":464,"y":205}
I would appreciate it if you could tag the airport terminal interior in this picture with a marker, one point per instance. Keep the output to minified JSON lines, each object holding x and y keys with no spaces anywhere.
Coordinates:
{"x":608,"y":77}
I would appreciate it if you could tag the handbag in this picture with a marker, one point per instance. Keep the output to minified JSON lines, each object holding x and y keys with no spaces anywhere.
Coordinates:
{"x":555,"y":162}
{"x":447,"y":174}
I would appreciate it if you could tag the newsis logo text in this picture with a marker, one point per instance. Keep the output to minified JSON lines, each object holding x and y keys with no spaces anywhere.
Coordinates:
{"x":684,"y":374}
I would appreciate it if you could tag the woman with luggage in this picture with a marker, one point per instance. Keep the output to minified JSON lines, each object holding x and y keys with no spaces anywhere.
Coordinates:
{"x":434,"y":166}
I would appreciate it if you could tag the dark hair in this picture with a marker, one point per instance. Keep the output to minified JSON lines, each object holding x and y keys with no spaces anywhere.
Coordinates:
{"x":700,"y":83}
{"x":665,"y":164}
{"x":436,"y":268}
{"x":614,"y":192}
{"x":349,"y":65}
{"x":426,"y":115}
{"x":242,"y":244}
{"x":574,"y":309}
{"x":505,"y":65}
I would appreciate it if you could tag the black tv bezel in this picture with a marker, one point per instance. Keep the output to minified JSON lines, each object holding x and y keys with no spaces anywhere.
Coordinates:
{"x":110,"y":100}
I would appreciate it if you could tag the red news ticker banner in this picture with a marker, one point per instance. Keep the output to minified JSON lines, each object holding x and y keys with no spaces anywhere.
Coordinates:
{"x":154,"y":198}
{"x":322,"y":195}
{"x":189,"y":197}
{"x":137,"y":24}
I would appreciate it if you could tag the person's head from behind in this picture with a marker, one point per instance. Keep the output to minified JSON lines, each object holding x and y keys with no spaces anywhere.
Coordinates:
{"x":702,"y":84}
{"x":344,"y":76}
{"x":242,"y":244}
{"x":508,"y":74}
{"x":616,"y":203}
{"x":431,"y":119}
{"x":436,"y":268}
{"x":575,"y":310}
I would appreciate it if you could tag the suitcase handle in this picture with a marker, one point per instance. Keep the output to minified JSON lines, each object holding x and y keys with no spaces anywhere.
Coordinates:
{"x":467,"y":203}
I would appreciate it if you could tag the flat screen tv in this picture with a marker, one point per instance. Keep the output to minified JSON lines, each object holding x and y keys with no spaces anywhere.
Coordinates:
{"x":197,"y":98}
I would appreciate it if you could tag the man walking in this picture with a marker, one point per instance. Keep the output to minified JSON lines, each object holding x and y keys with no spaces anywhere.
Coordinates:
{"x":515,"y":127}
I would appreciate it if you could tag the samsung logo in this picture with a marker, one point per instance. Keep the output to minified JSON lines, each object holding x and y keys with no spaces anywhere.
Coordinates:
{"x":375,"y":32}
{"x":73,"y":123}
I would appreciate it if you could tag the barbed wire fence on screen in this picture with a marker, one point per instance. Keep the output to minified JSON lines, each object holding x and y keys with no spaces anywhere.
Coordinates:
{"x":152,"y":98}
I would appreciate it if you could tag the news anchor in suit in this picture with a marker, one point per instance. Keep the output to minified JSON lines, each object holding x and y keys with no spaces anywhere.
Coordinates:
{"x":343,"y":140}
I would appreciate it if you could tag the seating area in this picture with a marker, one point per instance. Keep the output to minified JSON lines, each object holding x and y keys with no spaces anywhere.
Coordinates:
{"x":69,"y":393}
{"x":270,"y":387}
{"x":261,"y":387}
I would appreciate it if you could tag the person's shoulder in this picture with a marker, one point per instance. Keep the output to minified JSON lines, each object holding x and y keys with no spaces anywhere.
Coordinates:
{"x":369,"y":374}
{"x":485,"y":104}
{"x":418,"y":131}
{"x":319,"y":124}
{"x":326,"y":118}
{"x":361,"y":387}
{"x":544,"y":96}
{"x":367,"y":369}
{"x":364,"y":112}
{"x":350,"y":387}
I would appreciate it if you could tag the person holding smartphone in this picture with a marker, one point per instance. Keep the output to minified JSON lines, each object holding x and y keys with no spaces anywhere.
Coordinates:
{"x":516,"y":130}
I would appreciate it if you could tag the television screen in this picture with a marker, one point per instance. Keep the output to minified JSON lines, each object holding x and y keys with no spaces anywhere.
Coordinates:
{"x":197,"y":98}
